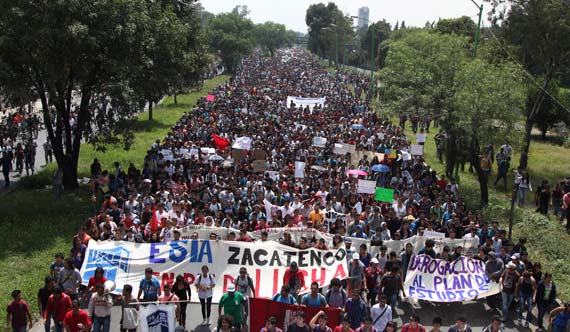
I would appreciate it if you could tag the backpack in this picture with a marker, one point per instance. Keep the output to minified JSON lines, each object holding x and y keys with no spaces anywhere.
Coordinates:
{"x":276,"y":296}
{"x":200,"y":278}
{"x":329,"y":292}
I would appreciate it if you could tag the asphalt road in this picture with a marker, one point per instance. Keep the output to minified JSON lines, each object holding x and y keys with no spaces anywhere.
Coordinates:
{"x":477,"y":314}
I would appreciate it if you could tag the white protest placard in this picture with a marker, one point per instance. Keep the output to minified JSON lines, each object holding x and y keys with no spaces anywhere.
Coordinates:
{"x":125,"y":263}
{"x":417,"y":150}
{"x":157,"y":317}
{"x":242,"y":143}
{"x":434,"y":234}
{"x":406,"y":156}
{"x":300,"y":169}
{"x":366,"y":186}
{"x":301,"y":102}
{"x":319,"y":142}
{"x":438,"y":280}
{"x":340,"y":148}
{"x":273,"y":175}
{"x":421,"y":138}
{"x":351,"y":148}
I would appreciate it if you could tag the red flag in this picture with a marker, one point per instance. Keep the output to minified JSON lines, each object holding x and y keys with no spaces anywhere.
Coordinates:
{"x":221,"y":143}
{"x":154,"y":220}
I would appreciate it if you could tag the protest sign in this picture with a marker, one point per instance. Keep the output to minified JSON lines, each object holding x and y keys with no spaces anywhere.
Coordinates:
{"x":340,"y":148}
{"x":273,"y":175}
{"x":366,"y":186}
{"x":284,"y":313}
{"x":416,"y":150}
{"x":438,"y":280}
{"x":304,"y":102}
{"x":384,"y":195}
{"x":242,"y":143}
{"x":300,"y":169}
{"x":157,"y":317}
{"x":258,"y":155}
{"x":391,"y":153}
{"x":319,"y":142}
{"x":238,"y":155}
{"x":125,"y":263}
{"x":434,"y":234}
{"x":210,"y":98}
{"x":259,"y":166}
{"x":406,"y":156}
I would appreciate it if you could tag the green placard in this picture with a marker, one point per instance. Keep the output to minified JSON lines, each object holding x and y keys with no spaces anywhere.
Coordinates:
{"x":384,"y":195}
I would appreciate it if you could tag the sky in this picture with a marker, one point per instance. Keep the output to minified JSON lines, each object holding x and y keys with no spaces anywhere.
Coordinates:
{"x":292,"y":12}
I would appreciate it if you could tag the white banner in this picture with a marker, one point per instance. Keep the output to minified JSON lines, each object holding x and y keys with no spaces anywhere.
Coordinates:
{"x":438,"y":280}
{"x":434,"y":234}
{"x":125,"y":262}
{"x":242,"y":143}
{"x":300,"y":169}
{"x":366,"y":186}
{"x":303,"y":102}
{"x":340,"y":148}
{"x":157,"y":318}
{"x":319,"y":142}
{"x":417,"y":150}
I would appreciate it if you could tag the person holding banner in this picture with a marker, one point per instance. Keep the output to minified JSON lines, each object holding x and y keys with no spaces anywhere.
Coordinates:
{"x":294,"y":278}
{"x":314,"y":298}
{"x":129,"y":313}
{"x":205,"y":282}
{"x":149,"y":287}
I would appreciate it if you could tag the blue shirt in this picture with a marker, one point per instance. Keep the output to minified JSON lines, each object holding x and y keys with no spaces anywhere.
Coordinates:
{"x":310,"y":301}
{"x":150,"y":289}
{"x":289,"y":300}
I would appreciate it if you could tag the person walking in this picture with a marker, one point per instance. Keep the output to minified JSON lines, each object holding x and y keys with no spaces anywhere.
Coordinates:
{"x":149,"y":287}
{"x":129,"y":313}
{"x":413,"y":325}
{"x":381,"y":313}
{"x":57,"y":307}
{"x":508,"y":281}
{"x":43,"y":297}
{"x":70,"y":279}
{"x":244,"y":283}
{"x":182,"y":289}
{"x":559,"y":318}
{"x":524,"y":291}
{"x":18,"y":314}
{"x":234,"y":305}
{"x":77,"y":320}
{"x":6,"y":168}
{"x":100,"y":309}
{"x":204,"y":285}
{"x":544,"y":297}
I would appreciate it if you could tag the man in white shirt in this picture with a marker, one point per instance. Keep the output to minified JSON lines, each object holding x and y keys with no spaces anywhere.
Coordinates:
{"x":381,"y":313}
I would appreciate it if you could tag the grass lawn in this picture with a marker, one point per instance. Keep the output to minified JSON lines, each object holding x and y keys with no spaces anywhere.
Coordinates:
{"x":548,"y":242}
{"x":34,"y":226}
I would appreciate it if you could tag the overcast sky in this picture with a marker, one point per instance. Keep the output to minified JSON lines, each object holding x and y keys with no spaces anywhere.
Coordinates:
{"x":292,"y":12}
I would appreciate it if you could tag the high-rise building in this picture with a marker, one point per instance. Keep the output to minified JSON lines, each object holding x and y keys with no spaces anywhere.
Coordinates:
{"x":363,"y":14}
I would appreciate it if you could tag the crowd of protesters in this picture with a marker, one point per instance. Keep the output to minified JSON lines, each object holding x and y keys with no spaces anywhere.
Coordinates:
{"x":181,"y":184}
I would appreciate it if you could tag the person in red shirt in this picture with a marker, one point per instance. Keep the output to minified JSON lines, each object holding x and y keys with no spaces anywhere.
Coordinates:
{"x":77,"y":320}
{"x":344,"y":325}
{"x":18,"y":313}
{"x":372,"y":273}
{"x":97,"y":278}
{"x":414,"y":325}
{"x":294,"y":278}
{"x":58,"y":305}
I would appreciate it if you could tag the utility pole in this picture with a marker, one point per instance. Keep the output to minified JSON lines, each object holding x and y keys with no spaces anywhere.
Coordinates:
{"x":478,"y":31}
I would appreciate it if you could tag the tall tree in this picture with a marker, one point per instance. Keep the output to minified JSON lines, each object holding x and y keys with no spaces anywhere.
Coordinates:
{"x":232,"y":34}
{"x":540,"y":28}
{"x":329,"y":29}
{"x":488,"y":102}
{"x":78,"y":58}
{"x":381,"y":31}
{"x":271,"y":36}
{"x":462,"y":26}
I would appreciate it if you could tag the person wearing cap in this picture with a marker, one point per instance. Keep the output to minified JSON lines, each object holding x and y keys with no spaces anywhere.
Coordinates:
{"x":519,"y":266}
{"x":495,"y":325}
{"x":100,"y":309}
{"x":460,"y":325}
{"x":372,"y":275}
{"x":149,"y":287}
{"x":356,"y":278}
{"x":493,"y":269}
{"x":508,"y":281}
{"x":18,"y":313}
{"x":233,"y":303}
{"x":294,"y":278}
{"x":244,"y":283}
{"x":299,"y":324}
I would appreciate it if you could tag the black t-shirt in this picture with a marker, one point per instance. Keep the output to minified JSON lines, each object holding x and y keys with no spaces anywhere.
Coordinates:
{"x":296,"y":328}
{"x":43,"y":295}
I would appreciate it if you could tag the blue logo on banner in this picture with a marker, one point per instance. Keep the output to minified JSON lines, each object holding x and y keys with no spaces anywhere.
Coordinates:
{"x":157,"y":321}
{"x":111,"y":260}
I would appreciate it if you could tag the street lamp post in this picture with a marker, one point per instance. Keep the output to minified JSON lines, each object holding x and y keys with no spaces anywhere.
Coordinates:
{"x":371,"y":55}
{"x":477,"y":32}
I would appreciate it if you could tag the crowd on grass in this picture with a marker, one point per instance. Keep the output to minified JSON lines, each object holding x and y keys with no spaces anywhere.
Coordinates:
{"x":194,"y":177}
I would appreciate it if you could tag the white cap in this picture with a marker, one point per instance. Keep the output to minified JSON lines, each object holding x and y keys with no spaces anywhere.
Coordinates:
{"x":374,"y":260}
{"x":355,"y":256}
{"x":231,"y":288}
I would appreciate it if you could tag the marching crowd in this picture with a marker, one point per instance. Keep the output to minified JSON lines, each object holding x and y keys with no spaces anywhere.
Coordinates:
{"x":194,"y":177}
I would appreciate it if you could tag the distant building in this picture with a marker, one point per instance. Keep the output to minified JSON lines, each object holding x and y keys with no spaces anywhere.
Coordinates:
{"x":363,"y":15}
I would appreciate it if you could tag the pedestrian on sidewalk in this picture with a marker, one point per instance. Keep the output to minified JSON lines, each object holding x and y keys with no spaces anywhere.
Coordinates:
{"x":18,"y":314}
{"x":6,"y":168}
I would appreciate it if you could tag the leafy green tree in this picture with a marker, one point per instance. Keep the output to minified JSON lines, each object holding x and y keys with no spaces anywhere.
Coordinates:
{"x":232,"y":34}
{"x":329,"y":29}
{"x":540,"y":29}
{"x":81,"y":59}
{"x":462,"y":26}
{"x":419,"y":74}
{"x":271,"y":36}
{"x":381,"y":31}
{"x":488,"y":101}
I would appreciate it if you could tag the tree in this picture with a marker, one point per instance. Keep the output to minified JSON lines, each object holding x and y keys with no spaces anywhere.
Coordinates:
{"x":232,"y":35}
{"x":79,"y":57}
{"x":329,"y":28}
{"x":419,"y":74}
{"x":540,"y":29}
{"x":488,"y":102}
{"x":381,"y":31}
{"x":271,"y":36}
{"x":462,"y":26}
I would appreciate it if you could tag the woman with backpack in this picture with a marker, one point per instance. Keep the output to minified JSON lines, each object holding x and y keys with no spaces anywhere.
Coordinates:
{"x":204,"y":284}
